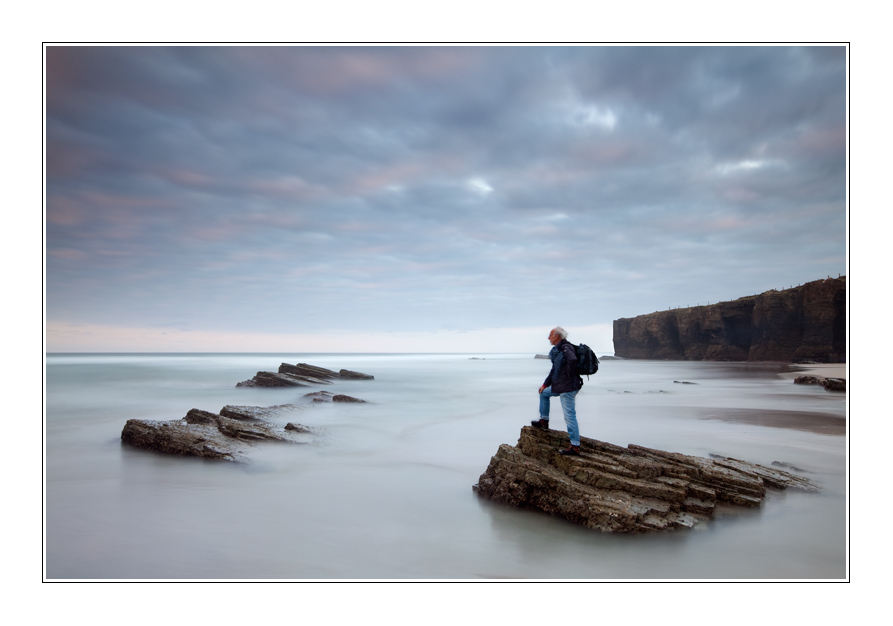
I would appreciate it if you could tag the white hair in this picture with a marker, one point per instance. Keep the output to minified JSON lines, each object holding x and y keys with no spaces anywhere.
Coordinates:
{"x":562,"y":334}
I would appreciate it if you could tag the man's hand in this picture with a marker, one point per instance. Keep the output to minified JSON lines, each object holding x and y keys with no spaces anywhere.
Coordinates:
{"x":542,"y":389}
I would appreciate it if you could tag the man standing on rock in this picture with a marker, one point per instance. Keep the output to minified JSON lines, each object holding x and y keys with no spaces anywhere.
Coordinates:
{"x":564,"y":382}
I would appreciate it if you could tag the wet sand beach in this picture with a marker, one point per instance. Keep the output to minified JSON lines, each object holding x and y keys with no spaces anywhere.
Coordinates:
{"x":825,"y":370}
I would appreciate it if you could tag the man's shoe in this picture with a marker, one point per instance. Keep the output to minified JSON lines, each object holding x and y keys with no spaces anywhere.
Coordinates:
{"x":570,"y":451}
{"x":540,"y":423}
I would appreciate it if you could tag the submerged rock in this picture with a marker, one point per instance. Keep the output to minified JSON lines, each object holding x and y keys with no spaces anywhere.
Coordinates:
{"x":298,"y":428}
{"x":808,"y":380}
{"x":319,"y":396}
{"x":623,"y":490}
{"x":831,"y":384}
{"x":835,"y":384}
{"x":325,"y":396}
{"x":343,"y":398}
{"x":211,"y":435}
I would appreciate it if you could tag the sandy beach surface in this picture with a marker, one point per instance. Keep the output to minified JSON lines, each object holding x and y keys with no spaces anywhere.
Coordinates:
{"x":825,"y":370}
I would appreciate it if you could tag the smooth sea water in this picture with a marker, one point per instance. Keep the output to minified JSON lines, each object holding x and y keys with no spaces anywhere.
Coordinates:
{"x":384,"y":490}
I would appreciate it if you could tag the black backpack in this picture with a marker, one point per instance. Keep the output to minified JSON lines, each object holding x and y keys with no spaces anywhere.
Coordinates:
{"x":587,"y":362}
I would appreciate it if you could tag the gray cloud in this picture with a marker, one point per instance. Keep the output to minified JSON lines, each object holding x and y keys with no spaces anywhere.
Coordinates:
{"x":290,"y":189}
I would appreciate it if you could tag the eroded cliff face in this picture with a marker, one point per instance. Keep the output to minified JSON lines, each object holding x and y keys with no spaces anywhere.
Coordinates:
{"x":805,"y":323}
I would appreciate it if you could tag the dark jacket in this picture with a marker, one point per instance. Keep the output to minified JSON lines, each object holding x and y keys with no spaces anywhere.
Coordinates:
{"x":563,"y":376}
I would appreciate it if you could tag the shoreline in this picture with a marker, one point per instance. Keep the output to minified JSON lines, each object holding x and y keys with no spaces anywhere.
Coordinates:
{"x":824,"y":370}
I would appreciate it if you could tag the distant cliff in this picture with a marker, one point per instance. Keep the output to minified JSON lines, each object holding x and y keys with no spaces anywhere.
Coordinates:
{"x":806,"y":323}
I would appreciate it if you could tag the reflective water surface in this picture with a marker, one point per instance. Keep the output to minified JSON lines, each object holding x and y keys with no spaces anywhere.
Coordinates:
{"x":384,"y":490}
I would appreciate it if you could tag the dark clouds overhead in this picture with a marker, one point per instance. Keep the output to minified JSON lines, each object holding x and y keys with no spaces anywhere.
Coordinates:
{"x":383,"y":189}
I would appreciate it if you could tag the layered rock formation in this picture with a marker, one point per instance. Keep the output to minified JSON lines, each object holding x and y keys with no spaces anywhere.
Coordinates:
{"x":226,"y":434}
{"x":301,"y":375}
{"x":624,"y":490}
{"x":325,"y":396}
{"x":222,"y":436}
{"x":805,"y":323}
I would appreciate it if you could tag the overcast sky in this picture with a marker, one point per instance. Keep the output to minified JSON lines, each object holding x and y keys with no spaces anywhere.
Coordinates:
{"x":429,"y":199}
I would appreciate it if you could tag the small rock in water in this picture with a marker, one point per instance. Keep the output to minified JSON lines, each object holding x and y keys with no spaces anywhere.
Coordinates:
{"x":835,"y":384}
{"x":788,"y":466}
{"x":355,"y":375}
{"x":831,"y":384}
{"x":319,"y":396}
{"x":298,"y":428}
{"x":342,"y":398}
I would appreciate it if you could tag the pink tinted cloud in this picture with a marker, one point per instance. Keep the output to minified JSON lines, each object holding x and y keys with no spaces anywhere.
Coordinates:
{"x":219,"y":231}
{"x":286,"y":187}
{"x":726,"y":223}
{"x":65,"y":211}
{"x":67,"y":162}
{"x":611,"y":152}
{"x":737,"y":194}
{"x":119,"y":201}
{"x":332,"y":71}
{"x":187,"y":178}
{"x":820,"y":140}
{"x":122,"y":211}
{"x":394,"y":174}
{"x":68,"y":254}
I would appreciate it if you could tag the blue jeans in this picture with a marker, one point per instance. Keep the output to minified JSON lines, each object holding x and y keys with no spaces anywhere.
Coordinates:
{"x":569,"y":405}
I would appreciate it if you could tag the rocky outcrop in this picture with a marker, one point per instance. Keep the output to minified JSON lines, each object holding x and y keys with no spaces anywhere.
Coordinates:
{"x":325,"y":396}
{"x":343,"y":398}
{"x":213,"y":435}
{"x":256,"y":413}
{"x":804,"y":323}
{"x":301,"y":375}
{"x":831,"y":384}
{"x":278,"y":379}
{"x":355,"y":375}
{"x":303,"y":369}
{"x":624,"y":490}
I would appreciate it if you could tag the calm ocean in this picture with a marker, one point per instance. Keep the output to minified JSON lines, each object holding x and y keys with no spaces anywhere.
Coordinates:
{"x":384,"y":490}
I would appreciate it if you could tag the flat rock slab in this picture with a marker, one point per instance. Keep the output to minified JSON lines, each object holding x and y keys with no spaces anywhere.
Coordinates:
{"x":253,"y":413}
{"x":624,"y":490}
{"x":304,"y":369}
{"x":325,"y":396}
{"x":278,"y":379}
{"x":212,"y":435}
